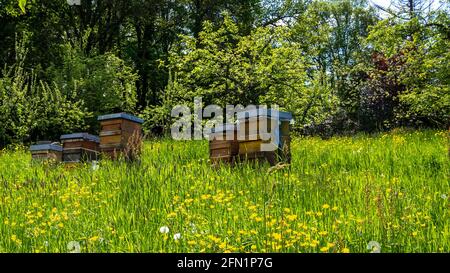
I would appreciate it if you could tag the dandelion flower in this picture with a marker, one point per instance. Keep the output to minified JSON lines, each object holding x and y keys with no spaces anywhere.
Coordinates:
{"x":324,"y":249}
{"x":94,"y":238}
{"x":276,"y":236}
{"x":291,"y":217}
{"x":177,"y":236}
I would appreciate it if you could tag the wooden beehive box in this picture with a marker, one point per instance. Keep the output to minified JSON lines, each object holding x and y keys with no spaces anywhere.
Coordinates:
{"x":46,"y":151}
{"x":117,"y":133}
{"x":223,"y":144}
{"x":264,"y":126}
{"x":80,"y":147}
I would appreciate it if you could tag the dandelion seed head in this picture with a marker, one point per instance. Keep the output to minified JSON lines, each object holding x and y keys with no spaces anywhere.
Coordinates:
{"x":164,"y":229}
{"x":374,"y":246}
{"x":74,"y":247}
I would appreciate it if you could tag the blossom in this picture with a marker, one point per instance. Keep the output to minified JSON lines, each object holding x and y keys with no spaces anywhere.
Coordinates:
{"x":164,"y":229}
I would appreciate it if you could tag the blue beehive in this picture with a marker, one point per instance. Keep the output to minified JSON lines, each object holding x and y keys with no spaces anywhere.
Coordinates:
{"x":46,"y":150}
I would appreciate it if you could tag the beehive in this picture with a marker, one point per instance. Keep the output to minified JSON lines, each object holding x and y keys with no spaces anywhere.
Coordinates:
{"x":223,"y":144}
{"x":119,"y":132}
{"x":80,"y":147}
{"x":267,"y":127}
{"x":46,"y":151}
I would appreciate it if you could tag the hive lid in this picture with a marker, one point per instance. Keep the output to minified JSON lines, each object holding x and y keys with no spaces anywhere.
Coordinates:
{"x":223,"y":128}
{"x":84,"y":136}
{"x":50,"y":147}
{"x":121,"y":115}
{"x":264,"y":112}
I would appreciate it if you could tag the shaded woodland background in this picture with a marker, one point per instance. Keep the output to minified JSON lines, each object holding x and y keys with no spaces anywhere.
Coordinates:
{"x":340,"y":66}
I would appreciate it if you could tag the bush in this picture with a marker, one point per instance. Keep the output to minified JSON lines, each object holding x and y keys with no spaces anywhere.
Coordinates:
{"x":104,"y":82}
{"x":31,"y":109}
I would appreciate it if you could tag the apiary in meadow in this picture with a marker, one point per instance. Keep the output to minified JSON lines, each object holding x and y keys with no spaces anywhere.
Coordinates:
{"x":264,"y":134}
{"x":120,"y":133}
{"x":46,"y":150}
{"x":223,"y":144}
{"x":80,"y":147}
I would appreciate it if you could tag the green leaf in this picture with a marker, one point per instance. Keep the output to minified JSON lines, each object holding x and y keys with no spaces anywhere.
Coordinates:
{"x":22,"y":4}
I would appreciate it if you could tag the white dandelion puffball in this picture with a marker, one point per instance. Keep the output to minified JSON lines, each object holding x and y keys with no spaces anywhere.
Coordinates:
{"x":177,"y":236}
{"x":164,"y":229}
{"x":95,"y":165}
{"x":74,"y":247}
{"x":374,"y":247}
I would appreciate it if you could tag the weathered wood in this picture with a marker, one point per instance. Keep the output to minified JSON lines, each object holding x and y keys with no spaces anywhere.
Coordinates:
{"x":223,"y":144}
{"x":117,"y":133}
{"x":264,"y":126}
{"x":285,"y":128}
{"x":80,"y":147}
{"x":81,"y":144}
{"x":46,"y":152}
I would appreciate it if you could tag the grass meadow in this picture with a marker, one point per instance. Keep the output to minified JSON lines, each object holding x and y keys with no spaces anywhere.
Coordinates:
{"x":367,"y":193}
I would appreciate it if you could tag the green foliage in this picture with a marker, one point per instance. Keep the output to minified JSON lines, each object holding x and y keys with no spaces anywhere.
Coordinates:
{"x":157,"y":118}
{"x":104,"y":83}
{"x":32,"y":109}
{"x":421,"y":55}
{"x":264,"y":67}
{"x":313,"y":58}
{"x":22,"y":4}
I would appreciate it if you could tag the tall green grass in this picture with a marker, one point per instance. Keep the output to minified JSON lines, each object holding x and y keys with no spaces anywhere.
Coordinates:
{"x":337,"y":196}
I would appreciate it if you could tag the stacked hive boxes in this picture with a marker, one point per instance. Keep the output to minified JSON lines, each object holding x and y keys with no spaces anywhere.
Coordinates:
{"x":46,"y":150}
{"x":264,"y":134}
{"x":223,"y":144}
{"x":118,"y":133}
{"x":80,"y":147}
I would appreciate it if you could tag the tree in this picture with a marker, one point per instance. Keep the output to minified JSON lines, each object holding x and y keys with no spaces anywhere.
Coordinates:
{"x":330,"y":35}
{"x":104,"y":83}
{"x":422,"y":67}
{"x":264,"y":67}
{"x":31,"y":109}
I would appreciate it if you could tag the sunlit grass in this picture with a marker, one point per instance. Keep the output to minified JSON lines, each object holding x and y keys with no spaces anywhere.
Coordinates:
{"x":337,"y":196}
